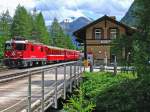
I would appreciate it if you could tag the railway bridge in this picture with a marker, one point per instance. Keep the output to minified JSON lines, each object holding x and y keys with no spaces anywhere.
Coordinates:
{"x":36,"y":89}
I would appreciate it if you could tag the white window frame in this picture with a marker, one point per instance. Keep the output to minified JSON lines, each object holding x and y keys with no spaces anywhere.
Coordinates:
{"x":98,"y":33}
{"x":113,"y":33}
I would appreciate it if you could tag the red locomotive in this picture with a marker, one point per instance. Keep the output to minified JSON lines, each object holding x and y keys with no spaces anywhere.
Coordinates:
{"x":23,"y":53}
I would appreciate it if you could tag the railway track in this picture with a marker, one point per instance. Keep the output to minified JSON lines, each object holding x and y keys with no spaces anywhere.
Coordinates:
{"x":3,"y":68}
{"x":14,"y":74}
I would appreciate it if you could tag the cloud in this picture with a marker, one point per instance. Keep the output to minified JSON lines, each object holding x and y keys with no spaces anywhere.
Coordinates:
{"x":63,"y":9}
{"x":109,"y":7}
{"x":12,"y":4}
{"x":75,"y":8}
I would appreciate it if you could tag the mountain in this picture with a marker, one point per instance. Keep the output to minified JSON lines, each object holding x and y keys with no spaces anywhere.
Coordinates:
{"x":75,"y":25}
{"x":130,"y":17}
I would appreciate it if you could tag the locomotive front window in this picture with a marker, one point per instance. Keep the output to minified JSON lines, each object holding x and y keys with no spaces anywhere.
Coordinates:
{"x":20,"y":46}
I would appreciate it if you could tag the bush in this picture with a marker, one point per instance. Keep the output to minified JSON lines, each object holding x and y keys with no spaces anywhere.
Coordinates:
{"x":103,"y":92}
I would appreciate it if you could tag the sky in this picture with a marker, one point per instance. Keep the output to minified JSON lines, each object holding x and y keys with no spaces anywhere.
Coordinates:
{"x":70,"y":9}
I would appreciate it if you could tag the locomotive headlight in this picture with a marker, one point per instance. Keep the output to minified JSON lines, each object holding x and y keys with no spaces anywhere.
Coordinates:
{"x":6,"y":55}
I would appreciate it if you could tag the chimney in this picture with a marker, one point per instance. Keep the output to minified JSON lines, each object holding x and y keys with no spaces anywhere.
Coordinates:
{"x":113,"y":17}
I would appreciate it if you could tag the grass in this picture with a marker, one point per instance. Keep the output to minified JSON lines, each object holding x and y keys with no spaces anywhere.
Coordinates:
{"x":103,"y":92}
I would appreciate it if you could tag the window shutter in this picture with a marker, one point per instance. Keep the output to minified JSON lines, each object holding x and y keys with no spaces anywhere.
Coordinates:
{"x":93,"y":33}
{"x":102,"y":34}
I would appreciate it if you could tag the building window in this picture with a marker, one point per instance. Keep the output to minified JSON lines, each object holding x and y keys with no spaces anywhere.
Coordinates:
{"x":113,"y":33}
{"x":98,"y":33}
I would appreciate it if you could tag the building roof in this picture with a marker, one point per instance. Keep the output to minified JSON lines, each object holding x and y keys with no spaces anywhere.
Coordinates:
{"x":80,"y":33}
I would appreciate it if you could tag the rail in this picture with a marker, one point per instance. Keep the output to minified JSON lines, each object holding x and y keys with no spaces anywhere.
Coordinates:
{"x":2,"y":67}
{"x":24,"y":73}
{"x":48,"y":96}
{"x":1,"y":62}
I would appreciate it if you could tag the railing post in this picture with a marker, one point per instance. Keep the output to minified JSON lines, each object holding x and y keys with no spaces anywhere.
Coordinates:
{"x":84,"y":68}
{"x":42,"y":104}
{"x":115,"y":65}
{"x":70,"y":78}
{"x":64,"y":81}
{"x":80,"y":66}
{"x":56,"y":88}
{"x":29,"y":92}
{"x":78,"y":73}
{"x":74,"y":74}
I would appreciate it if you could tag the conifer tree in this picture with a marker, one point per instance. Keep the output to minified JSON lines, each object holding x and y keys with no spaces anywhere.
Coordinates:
{"x":69,"y":43}
{"x":34,"y":33}
{"x":59,"y":38}
{"x":5,"y":22}
{"x":142,"y":38}
{"x":57,"y":34}
{"x":21,"y":23}
{"x":41,"y":30}
{"x":121,"y":46}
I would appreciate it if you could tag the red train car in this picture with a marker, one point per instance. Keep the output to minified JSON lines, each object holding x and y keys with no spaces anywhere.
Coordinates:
{"x":23,"y":53}
{"x":71,"y":54}
{"x":55,"y":54}
{"x":59,"y":54}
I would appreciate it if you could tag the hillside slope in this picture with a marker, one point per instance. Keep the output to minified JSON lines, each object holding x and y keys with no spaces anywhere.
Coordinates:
{"x":130,"y":18}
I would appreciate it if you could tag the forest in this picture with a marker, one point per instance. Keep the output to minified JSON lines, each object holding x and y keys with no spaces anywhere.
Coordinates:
{"x":32,"y":26}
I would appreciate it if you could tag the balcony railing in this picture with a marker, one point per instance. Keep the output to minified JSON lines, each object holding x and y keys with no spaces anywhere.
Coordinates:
{"x":105,"y":41}
{"x":100,"y":41}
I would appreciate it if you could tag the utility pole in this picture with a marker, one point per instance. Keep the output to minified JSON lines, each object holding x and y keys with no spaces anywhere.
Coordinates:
{"x":53,"y":33}
{"x":66,"y":21}
{"x":35,"y":33}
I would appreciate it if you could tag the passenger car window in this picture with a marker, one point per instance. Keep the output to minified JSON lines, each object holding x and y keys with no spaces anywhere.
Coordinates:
{"x":41,"y":49}
{"x":32,"y":48}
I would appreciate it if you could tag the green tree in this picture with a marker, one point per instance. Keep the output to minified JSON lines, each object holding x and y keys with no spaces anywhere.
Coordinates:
{"x":5,"y":22}
{"x":57,"y":34}
{"x":2,"y":43}
{"x":40,"y":30}
{"x":31,"y":24}
{"x":35,"y":33}
{"x":121,"y":47}
{"x":69,"y":43}
{"x":142,"y":38}
{"x":59,"y":37}
{"x":21,"y":25}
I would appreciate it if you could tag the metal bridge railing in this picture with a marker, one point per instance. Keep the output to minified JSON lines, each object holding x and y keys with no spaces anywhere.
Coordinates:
{"x":48,"y":96}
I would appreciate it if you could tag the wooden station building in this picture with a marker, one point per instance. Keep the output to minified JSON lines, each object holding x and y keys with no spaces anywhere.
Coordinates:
{"x":97,"y":36}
